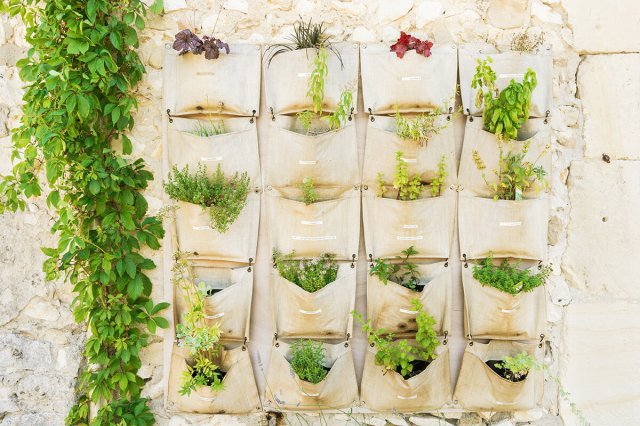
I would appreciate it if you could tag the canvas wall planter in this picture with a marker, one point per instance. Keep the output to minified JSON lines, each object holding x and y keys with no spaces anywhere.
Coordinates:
{"x":479,"y":388}
{"x":412,"y":84}
{"x":494,"y":314}
{"x":230,"y":302}
{"x":323,"y":314}
{"x":389,"y":305}
{"x":507,"y":66}
{"x":534,"y":131}
{"x":330,"y":159}
{"x":331,"y":226}
{"x":390,"y":392}
{"x":235,"y":151}
{"x":505,"y":228}
{"x":391,"y":226}
{"x":285,"y":391}
{"x":286,"y":78}
{"x":240,"y":394}
{"x":238,"y":244}
{"x":196,"y":85}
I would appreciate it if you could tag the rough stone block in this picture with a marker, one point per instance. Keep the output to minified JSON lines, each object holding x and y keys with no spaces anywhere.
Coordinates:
{"x":508,"y":13}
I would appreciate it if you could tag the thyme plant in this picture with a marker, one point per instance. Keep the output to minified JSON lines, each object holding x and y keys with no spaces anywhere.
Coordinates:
{"x":309,"y":274}
{"x":308,"y":360}
{"x":508,"y":277}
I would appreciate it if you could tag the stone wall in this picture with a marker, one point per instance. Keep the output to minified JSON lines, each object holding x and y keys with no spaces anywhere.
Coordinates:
{"x":593,"y":238}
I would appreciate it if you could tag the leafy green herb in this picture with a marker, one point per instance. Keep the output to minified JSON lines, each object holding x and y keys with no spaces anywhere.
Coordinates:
{"x":403,"y":272}
{"x":309,"y":194}
{"x":507,"y":277}
{"x":319,"y":71}
{"x":435,"y":186}
{"x":517,"y":367}
{"x":343,"y":111}
{"x":309,"y":274}
{"x":409,"y":188}
{"x":308,"y":360}
{"x":208,"y":129}
{"x":421,"y":128}
{"x":306,"y":119}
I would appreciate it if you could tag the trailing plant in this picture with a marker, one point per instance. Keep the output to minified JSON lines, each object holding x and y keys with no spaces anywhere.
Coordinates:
{"x":309,"y":194}
{"x":187,"y":42}
{"x":224,"y":198}
{"x":517,"y":367}
{"x":80,"y":75}
{"x":306,"y":119}
{"x":508,"y":277}
{"x":421,"y":128}
{"x":319,"y":71}
{"x":309,"y":274}
{"x":525,"y":42}
{"x":343,"y":111}
{"x":308,"y":360}
{"x":404,"y":272}
{"x":505,"y":111}
{"x":408,"y":42}
{"x":435,"y":187}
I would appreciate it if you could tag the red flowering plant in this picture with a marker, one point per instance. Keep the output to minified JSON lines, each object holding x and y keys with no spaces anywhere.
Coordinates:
{"x":186,"y":41}
{"x":408,"y":42}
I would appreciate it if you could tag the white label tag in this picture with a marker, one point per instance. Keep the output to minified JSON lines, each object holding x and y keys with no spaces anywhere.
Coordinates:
{"x":407,"y":397}
{"x":322,"y":238}
{"x":412,"y":78}
{"x":410,"y":226}
{"x":304,"y":74}
{"x":416,"y":238}
{"x":510,"y":75}
{"x":311,"y":222}
{"x":205,"y":73}
{"x":407,"y":311}
{"x":409,"y":160}
{"x":201,"y":227}
{"x":210,"y":158}
{"x":510,"y":224}
{"x":308,"y":162}
{"x":316,"y":312}
{"x":220,"y":315}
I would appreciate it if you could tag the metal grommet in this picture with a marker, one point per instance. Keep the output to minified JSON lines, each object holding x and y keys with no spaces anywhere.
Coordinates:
{"x":366,"y":187}
{"x":277,"y":345}
{"x":346,"y":344}
{"x":606,"y":158}
{"x":355,"y":45}
{"x":363,"y":45}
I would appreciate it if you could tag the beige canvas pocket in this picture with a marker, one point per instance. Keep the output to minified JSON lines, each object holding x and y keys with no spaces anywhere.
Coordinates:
{"x":479,"y":388}
{"x":494,"y":314}
{"x":240,"y":394}
{"x":285,"y":391}
{"x":323,"y":314}
{"x":238,"y":244}
{"x":534,"y":132}
{"x":412,"y":84}
{"x":390,"y":226}
{"x":502,"y":227}
{"x":234,"y":151}
{"x":331,"y":226}
{"x":196,"y":85}
{"x":330,"y":159}
{"x":389,"y":305}
{"x":390,"y":392}
{"x":507,"y":66}
{"x":286,"y":78}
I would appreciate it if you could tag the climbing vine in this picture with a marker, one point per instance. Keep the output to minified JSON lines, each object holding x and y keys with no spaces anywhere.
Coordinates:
{"x":80,"y":73}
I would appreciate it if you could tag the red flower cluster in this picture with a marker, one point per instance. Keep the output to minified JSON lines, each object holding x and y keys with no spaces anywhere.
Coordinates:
{"x":408,"y":42}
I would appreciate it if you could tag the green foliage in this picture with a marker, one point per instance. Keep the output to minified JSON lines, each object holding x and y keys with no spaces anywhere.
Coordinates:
{"x":508,"y":277}
{"x":340,"y":116}
{"x":306,"y":119}
{"x":208,"y":129}
{"x":421,"y":128}
{"x":309,"y":274}
{"x":319,"y":71}
{"x":426,"y":336}
{"x":80,"y":75}
{"x":223,"y":197}
{"x":504,"y":111}
{"x":309,"y":194}
{"x":517,"y":367}
{"x":409,"y":188}
{"x":381,"y":185}
{"x":308,"y":360}
{"x":435,"y":186}
{"x":403,"y":272}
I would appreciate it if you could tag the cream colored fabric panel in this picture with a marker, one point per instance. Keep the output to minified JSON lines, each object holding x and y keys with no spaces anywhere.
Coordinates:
{"x":240,"y":394}
{"x":196,"y":85}
{"x":413,"y":83}
{"x":383,"y":143}
{"x":330,"y":159}
{"x":238,"y":244}
{"x":479,"y":388}
{"x":235,"y":151}
{"x":286,"y":78}
{"x":494,"y":314}
{"x":391,"y":226}
{"x":285,"y":391}
{"x":507,"y":66}
{"x":505,"y":228}
{"x":535,"y":131}
{"x":331,"y":226}
{"x":389,"y":305}
{"x":390,"y":392}
{"x":323,"y":314}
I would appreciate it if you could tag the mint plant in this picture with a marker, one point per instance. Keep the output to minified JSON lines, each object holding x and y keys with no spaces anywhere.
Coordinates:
{"x":517,"y":368}
{"x":404,"y":272}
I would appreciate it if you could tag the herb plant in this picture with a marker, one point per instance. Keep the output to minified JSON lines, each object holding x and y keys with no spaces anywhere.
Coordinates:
{"x":526,"y":42}
{"x":309,"y":194}
{"x":224,"y":198}
{"x":504,"y":111}
{"x":306,"y":119}
{"x":409,"y":188}
{"x":507,"y":277}
{"x":306,"y":35}
{"x":309,"y":274}
{"x":187,"y":42}
{"x":404,"y":272}
{"x":408,"y":42}
{"x":208,"y":129}
{"x":340,"y":116}
{"x":308,"y":360}
{"x":435,"y":186}
{"x":319,"y":71}
{"x":419,"y":129}
{"x":517,"y":367}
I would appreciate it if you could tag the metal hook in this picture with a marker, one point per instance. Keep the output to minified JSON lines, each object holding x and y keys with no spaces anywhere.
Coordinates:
{"x":253,"y":117}
{"x":541,"y":340}
{"x":249,"y":268}
{"x":274,"y":263}
{"x":464,"y":257}
{"x":371,"y":115}
{"x":351,"y":114}
{"x":446,"y":338}
{"x":446,"y":264}
{"x":449,"y":116}
{"x":169,"y":115}
{"x":353,"y":259}
{"x":244,"y":343}
{"x":539,"y":264}
{"x":273,"y":117}
{"x":275,"y":338}
{"x":546,"y":116}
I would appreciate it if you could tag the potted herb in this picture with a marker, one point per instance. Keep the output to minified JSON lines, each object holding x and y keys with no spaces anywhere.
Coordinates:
{"x":309,"y":194}
{"x":515,"y":369}
{"x":307,"y":361}
{"x":404,"y":272}
{"x":421,"y":128}
{"x":508,"y":277}
{"x":309,"y":274}
{"x":410,"y":188}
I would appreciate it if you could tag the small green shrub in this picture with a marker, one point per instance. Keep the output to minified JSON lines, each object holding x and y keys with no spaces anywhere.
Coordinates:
{"x":308,"y":360}
{"x":306,"y":35}
{"x":435,"y":186}
{"x":207,"y":129}
{"x":507,"y":277}
{"x":306,"y":119}
{"x":340,"y":116}
{"x":404,"y":272}
{"x":419,"y":129}
{"x":309,"y":274}
{"x":319,"y":71}
{"x":411,"y":187}
{"x":517,"y":367}
{"x":309,"y":194}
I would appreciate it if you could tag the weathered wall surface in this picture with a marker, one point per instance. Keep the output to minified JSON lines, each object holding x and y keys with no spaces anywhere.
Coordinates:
{"x":593,"y":238}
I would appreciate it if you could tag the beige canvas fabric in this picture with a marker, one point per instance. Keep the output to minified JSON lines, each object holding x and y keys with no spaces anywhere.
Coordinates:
{"x":389,"y":305}
{"x":286,"y":78}
{"x":330,"y":159}
{"x":502,"y":227}
{"x":331,"y":226}
{"x":196,"y":85}
{"x":479,"y":388}
{"x":390,"y":392}
{"x":507,"y":66}
{"x":240,"y":394}
{"x":238,"y":244}
{"x":485,"y":143}
{"x":413,"y":83}
{"x":285,"y":391}
{"x":231,"y":307}
{"x":234,"y":151}
{"x":391,"y":226}
{"x":324,"y":314}
{"x":494,"y":314}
